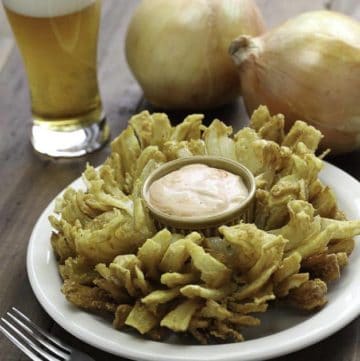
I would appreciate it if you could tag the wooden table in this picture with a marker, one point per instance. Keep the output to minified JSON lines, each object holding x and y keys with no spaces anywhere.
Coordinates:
{"x":28,"y":182}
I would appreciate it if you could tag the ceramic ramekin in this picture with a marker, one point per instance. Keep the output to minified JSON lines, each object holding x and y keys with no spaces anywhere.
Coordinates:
{"x":205,"y":224}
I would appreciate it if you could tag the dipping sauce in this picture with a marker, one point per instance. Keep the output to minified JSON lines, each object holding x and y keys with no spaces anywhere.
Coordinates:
{"x":197,"y":190}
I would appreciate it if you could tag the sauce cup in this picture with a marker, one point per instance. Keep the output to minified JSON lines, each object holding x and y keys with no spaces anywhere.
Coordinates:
{"x":207,"y":225}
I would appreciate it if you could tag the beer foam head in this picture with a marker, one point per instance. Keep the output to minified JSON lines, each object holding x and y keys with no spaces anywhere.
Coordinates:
{"x":46,"y":8}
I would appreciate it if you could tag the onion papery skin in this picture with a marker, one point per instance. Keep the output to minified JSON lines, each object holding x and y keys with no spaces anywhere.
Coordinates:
{"x":308,"y":69}
{"x":178,"y":50}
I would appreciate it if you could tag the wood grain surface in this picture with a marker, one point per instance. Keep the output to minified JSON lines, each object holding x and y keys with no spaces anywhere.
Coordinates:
{"x":28,"y":182}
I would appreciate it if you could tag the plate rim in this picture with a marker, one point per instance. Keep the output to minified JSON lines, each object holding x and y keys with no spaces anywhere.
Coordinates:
{"x":135,"y":354}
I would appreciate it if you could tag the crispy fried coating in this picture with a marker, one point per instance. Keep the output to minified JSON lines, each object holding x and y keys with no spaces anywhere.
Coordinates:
{"x":309,"y":296}
{"x":190,"y":128}
{"x":185,"y":148}
{"x":141,"y":318}
{"x":218,"y":142}
{"x":151,"y":129}
{"x":267,"y":126}
{"x":324,"y":266}
{"x":179,"y":318}
{"x":89,"y":298}
{"x":152,"y":252}
{"x":121,"y":314}
{"x":78,"y":270}
{"x":309,"y":234}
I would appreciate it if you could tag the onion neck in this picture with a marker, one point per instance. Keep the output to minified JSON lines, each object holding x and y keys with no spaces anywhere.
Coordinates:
{"x":242,"y":47}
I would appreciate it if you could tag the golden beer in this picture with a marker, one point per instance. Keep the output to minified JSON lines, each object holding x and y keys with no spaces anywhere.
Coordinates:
{"x":58,"y":42}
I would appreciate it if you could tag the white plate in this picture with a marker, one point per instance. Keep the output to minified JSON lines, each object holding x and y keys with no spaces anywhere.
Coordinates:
{"x":282,"y":331}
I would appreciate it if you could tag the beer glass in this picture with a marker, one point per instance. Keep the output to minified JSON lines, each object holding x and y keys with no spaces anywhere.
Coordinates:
{"x":58,"y":43}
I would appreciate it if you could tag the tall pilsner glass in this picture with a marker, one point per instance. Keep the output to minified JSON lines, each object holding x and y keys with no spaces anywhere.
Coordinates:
{"x":58,"y":42}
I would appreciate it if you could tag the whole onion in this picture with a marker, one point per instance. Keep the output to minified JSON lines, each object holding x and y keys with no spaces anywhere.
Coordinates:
{"x":178,"y":50}
{"x":308,"y":69}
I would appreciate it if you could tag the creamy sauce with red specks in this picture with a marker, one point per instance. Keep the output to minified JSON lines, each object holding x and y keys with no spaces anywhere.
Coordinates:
{"x":197,"y":190}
